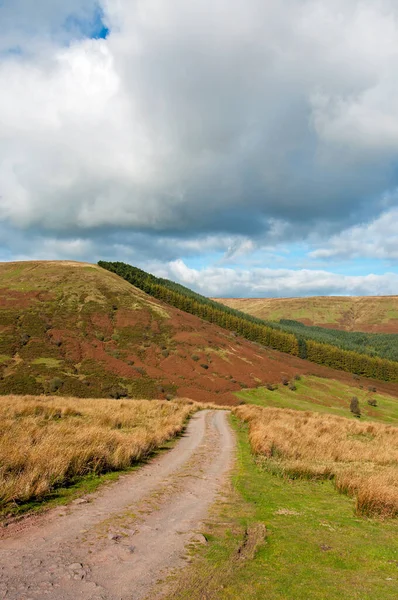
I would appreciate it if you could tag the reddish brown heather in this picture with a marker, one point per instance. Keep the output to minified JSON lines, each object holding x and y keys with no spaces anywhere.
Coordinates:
{"x":73,"y":329}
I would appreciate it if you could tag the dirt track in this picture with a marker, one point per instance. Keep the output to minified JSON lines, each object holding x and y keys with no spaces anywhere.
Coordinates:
{"x":118,"y":543}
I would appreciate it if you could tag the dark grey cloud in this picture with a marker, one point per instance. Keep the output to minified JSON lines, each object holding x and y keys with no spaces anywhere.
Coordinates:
{"x":104,"y":243}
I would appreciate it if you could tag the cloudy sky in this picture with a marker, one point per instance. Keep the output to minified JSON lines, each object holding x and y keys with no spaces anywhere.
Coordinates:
{"x":242,"y":147}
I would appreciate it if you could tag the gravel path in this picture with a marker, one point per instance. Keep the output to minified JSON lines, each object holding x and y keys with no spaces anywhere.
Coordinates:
{"x":118,"y":543}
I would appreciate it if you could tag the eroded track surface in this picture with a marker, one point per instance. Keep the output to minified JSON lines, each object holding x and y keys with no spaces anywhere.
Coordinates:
{"x":118,"y":543}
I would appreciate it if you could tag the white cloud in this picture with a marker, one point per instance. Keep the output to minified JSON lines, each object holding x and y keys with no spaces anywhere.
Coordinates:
{"x":202,"y":127}
{"x":377,"y":239}
{"x":257,"y":283}
{"x":199,"y":116}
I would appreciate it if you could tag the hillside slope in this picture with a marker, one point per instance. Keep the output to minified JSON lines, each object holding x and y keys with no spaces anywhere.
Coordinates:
{"x":371,"y":314}
{"x":75,"y":329}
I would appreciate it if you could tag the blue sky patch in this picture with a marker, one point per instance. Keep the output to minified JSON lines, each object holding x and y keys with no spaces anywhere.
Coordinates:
{"x":93,"y":27}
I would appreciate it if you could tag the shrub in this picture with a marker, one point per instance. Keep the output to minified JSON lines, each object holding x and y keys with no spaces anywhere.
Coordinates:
{"x":165,"y":353}
{"x":195,"y":357}
{"x":372,"y":402}
{"x":371,"y":388}
{"x":354,"y":407}
{"x":54,"y":385}
{"x":285,"y":380}
{"x":292,"y":387}
{"x":270,"y":387}
{"x":204,"y":366}
{"x":118,"y":391}
{"x":25,"y":337}
{"x":297,"y":377}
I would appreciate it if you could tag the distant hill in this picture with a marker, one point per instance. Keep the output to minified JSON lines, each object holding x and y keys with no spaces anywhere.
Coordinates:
{"x":371,"y":314}
{"x":75,"y":329}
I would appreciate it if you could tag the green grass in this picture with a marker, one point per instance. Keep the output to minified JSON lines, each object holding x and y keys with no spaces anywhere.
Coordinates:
{"x":312,"y":313}
{"x":51,"y":363}
{"x":315,"y":548}
{"x":65,"y":495}
{"x":391,"y":313}
{"x":325,"y":395}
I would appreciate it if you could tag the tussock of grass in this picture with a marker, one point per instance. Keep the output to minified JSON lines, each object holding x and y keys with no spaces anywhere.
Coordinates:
{"x":47,"y":443}
{"x":362,"y":458}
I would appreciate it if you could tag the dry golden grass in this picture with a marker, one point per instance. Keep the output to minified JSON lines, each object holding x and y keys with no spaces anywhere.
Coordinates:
{"x":362,"y":458}
{"x":50,"y":442}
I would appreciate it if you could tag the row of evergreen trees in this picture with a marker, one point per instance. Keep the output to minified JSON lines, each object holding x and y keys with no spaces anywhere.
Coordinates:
{"x":384,"y":345}
{"x":297,"y":341}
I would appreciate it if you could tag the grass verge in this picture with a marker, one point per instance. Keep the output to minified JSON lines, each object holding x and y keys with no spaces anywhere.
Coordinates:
{"x":286,"y":539}
{"x":325,"y":396}
{"x":361,"y":458}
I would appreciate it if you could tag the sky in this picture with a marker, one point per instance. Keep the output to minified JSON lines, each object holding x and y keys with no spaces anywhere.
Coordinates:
{"x":244,"y":148}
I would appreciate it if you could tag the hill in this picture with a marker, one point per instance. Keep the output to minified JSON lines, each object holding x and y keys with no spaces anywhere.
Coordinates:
{"x":74,"y":329}
{"x":370,"y":314}
{"x":369,"y":354}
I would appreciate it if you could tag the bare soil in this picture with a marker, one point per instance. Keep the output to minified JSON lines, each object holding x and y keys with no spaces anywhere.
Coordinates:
{"x":123,"y":541}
